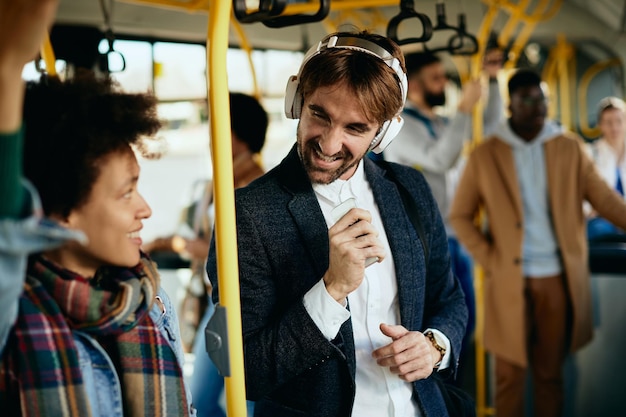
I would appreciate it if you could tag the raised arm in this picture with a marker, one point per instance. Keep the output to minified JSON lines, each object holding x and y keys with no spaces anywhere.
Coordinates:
{"x":494,"y":108}
{"x":22,"y":26}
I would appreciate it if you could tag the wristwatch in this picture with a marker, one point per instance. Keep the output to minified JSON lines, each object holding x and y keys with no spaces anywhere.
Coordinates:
{"x":431,"y":336}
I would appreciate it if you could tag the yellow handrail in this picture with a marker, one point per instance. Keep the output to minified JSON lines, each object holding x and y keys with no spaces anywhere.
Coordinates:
{"x":583,"y":86}
{"x":557,"y":73}
{"x":294,"y":8}
{"x":191,"y":5}
{"x":531,"y":22}
{"x":245,"y":45}
{"x":225,"y":225}
{"x":312,"y":6}
{"x":47,"y":53}
{"x":516,"y":14}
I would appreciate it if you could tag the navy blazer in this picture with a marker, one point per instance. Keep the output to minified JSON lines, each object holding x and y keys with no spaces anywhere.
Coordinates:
{"x":291,"y":369}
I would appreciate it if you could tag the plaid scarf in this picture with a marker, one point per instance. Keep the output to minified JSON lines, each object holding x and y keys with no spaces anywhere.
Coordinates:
{"x":39,"y":371}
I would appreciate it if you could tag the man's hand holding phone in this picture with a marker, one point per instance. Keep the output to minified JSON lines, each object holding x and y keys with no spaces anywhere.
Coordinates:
{"x":354,"y":245}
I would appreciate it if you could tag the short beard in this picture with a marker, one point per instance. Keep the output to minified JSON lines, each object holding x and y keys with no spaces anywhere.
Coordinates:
{"x":432,"y":99}
{"x":305,"y":152}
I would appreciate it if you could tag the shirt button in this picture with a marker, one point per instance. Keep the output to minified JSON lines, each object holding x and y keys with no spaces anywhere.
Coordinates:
{"x":517,"y":261}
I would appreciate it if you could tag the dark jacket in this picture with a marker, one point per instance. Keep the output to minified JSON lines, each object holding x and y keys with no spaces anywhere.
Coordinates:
{"x":291,"y":369}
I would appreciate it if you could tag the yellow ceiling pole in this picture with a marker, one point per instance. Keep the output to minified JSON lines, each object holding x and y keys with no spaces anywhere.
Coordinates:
{"x":293,"y":8}
{"x":47,"y":53}
{"x":531,"y":21}
{"x":312,"y":6}
{"x":564,"y":59}
{"x":191,"y":5}
{"x":476,"y":64}
{"x":245,"y":45}
{"x":516,"y":13}
{"x":583,"y":87}
{"x":225,"y":225}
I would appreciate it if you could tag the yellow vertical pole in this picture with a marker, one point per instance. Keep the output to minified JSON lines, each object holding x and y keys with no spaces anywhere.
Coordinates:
{"x":225,"y":225}
{"x":47,"y":53}
{"x":477,"y":136}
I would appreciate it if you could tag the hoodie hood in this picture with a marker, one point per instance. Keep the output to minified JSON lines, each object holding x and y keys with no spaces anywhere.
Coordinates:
{"x":550,"y":130}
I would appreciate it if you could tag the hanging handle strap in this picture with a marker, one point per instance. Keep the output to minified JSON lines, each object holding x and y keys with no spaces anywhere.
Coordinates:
{"x":407,"y":11}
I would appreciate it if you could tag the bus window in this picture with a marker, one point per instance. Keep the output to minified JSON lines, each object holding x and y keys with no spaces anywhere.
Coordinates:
{"x":137,"y":76}
{"x":179,"y":71}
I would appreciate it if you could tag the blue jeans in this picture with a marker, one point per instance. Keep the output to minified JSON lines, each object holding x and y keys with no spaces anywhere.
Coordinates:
{"x":207,"y":385}
{"x":598,"y":227}
{"x":462,"y":266}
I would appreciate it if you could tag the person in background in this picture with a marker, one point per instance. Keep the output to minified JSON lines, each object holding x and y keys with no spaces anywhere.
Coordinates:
{"x":343,"y":312}
{"x":434,"y":143}
{"x":85,"y":329}
{"x":531,"y":178}
{"x":608,"y":153}
{"x":248,"y":122}
{"x":248,"y":125}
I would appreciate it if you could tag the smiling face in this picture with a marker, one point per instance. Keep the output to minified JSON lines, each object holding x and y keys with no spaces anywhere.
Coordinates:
{"x":333,"y":134}
{"x":111,"y":218}
{"x":612,"y":124}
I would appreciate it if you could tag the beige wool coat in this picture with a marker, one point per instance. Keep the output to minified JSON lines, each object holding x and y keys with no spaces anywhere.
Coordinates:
{"x":490,"y":181}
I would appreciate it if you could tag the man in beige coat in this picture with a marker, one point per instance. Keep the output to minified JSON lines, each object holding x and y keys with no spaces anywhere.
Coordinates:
{"x":531,"y":179}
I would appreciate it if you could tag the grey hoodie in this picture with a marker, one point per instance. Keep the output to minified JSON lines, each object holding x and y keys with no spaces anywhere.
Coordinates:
{"x":540,"y":251}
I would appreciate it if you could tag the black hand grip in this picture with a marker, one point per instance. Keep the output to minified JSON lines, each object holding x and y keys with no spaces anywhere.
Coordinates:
{"x":299,"y":19}
{"x":460,"y":42}
{"x":267,"y":9}
{"x":407,"y":11}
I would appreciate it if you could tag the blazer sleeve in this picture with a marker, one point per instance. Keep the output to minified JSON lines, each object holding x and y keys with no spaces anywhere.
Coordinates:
{"x":445,"y":308}
{"x":281,"y":341}
{"x":443,"y":302}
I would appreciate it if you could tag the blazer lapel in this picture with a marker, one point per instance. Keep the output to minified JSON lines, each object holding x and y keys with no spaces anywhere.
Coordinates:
{"x":505,"y":164}
{"x":402,"y":241}
{"x":309,"y":219}
{"x":305,"y":210}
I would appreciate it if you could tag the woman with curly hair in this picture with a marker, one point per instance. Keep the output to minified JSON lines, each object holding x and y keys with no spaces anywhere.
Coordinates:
{"x":85,"y":328}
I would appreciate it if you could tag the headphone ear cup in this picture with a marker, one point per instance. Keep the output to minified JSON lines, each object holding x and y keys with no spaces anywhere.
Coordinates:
{"x":389,"y":130}
{"x":293,"y":100}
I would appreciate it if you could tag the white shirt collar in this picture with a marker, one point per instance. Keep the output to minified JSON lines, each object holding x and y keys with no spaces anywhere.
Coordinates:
{"x":340,"y":190}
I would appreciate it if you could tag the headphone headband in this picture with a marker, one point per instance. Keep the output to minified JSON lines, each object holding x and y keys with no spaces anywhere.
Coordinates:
{"x":293,"y":99}
{"x":356,"y":44}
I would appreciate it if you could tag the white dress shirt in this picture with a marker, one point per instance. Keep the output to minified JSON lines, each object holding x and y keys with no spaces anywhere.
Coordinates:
{"x":378,"y":391}
{"x":607,"y":163}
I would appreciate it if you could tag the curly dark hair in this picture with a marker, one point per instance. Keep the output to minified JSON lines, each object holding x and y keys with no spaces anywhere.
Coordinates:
{"x":70,"y":126}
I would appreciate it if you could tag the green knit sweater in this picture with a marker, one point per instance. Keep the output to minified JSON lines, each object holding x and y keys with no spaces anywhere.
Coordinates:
{"x":11,"y":191}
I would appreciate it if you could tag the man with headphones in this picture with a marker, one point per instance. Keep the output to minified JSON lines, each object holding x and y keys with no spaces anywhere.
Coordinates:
{"x":347,"y":308}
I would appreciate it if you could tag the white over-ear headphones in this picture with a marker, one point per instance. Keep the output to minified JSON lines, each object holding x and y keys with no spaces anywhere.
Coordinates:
{"x":390,"y":128}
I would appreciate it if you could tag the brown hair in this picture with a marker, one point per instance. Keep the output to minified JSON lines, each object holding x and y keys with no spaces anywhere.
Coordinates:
{"x":374,"y":83}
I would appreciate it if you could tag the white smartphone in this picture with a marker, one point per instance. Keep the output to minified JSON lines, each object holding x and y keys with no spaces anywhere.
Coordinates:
{"x":340,"y":211}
